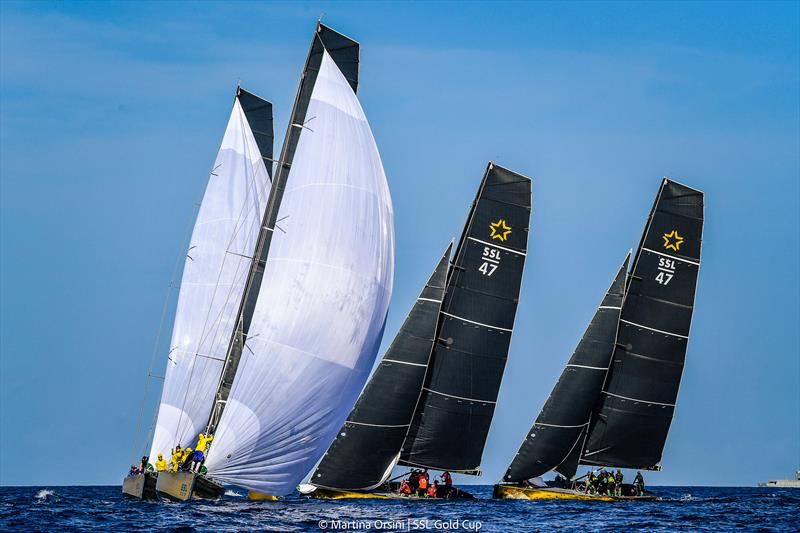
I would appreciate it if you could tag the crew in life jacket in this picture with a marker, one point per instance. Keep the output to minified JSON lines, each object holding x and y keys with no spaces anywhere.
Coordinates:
{"x":611,"y":484}
{"x":197,"y":460}
{"x":423,"y":485}
{"x":618,"y":477}
{"x":177,"y":453}
{"x":638,"y":484}
{"x":447,"y":479}
{"x":405,"y":488}
{"x":186,"y":459}
{"x":161,"y":464}
{"x":433,"y":490}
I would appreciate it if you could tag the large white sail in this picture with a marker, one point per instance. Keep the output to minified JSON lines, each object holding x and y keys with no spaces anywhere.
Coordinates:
{"x":320,"y":314}
{"x":214,"y":275}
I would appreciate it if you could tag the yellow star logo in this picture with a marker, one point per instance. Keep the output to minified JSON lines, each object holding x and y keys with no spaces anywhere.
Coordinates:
{"x":500,"y":230}
{"x":672,"y":240}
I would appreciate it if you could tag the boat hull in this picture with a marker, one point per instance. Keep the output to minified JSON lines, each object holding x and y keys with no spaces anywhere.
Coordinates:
{"x":333,"y":494}
{"x":141,"y":486}
{"x":183,"y":486}
{"x":516,"y":492}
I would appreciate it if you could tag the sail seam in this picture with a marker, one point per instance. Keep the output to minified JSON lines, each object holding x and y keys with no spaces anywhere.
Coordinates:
{"x":476,"y":323}
{"x":675,"y":257}
{"x":588,"y":367}
{"x":653,"y":329}
{"x":609,"y":307}
{"x":496,"y":246}
{"x":559,"y":426}
{"x":429,"y":300}
{"x":457,"y":397}
{"x":638,"y":400}
{"x":377,"y":425}
{"x":402,"y":363}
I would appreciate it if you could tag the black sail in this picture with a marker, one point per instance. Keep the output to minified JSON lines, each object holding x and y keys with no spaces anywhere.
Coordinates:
{"x":556,"y":439}
{"x":367,"y":446}
{"x":638,"y":399}
{"x":457,"y":403}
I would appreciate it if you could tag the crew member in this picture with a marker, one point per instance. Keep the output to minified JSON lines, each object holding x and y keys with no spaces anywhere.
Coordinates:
{"x":161,"y":464}
{"x":143,"y":467}
{"x":611,"y":484}
{"x":433,"y":489}
{"x":638,"y":484}
{"x":133,"y":471}
{"x":619,"y":478}
{"x":177,"y":454}
{"x":447,"y":479}
{"x":186,"y":459}
{"x":405,"y":488}
{"x":423,"y":485}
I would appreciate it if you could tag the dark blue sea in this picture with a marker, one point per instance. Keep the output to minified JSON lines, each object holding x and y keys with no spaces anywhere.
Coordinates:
{"x":683,"y":508}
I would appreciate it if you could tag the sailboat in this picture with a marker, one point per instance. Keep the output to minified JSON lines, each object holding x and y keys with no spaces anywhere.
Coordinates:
{"x":285,"y":288}
{"x":614,"y":402}
{"x":431,"y":399}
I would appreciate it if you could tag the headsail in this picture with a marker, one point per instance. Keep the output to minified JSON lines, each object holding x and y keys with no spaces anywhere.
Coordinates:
{"x":320,"y":312}
{"x":641,"y":388}
{"x":215,"y":272}
{"x":560,"y":429}
{"x":367,"y":446}
{"x":458,"y":398}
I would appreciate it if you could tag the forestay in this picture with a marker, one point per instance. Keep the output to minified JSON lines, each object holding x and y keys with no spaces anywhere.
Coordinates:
{"x":214,"y":274}
{"x":322,"y":305}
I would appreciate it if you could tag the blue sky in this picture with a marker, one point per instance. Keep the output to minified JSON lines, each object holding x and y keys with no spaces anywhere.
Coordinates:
{"x":112,"y":114}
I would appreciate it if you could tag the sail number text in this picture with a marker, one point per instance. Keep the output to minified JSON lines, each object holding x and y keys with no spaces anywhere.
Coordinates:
{"x":666,"y":270}
{"x":491,"y":260}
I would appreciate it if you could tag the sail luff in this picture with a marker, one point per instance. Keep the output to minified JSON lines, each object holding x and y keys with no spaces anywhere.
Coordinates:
{"x":368,"y":444}
{"x":561,"y":425}
{"x":630,"y":425}
{"x":457,"y":404}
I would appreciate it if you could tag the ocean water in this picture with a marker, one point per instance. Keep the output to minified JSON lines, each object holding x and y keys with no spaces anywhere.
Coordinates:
{"x":715,"y":509}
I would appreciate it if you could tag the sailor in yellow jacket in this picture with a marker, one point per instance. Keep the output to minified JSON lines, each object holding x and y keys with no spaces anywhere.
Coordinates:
{"x":199,"y":456}
{"x":177,"y":453}
{"x":161,"y":464}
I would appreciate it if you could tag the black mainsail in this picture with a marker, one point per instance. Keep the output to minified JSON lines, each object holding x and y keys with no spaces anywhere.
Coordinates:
{"x":556,"y":438}
{"x":638,"y":399}
{"x":458,"y":398}
{"x":374,"y":432}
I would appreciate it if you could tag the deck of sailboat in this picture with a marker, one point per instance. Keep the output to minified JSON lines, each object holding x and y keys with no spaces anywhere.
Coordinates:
{"x":516,"y":492}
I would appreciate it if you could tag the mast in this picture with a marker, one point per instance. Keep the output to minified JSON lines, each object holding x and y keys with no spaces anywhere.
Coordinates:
{"x":457,"y":401}
{"x":366,"y":448}
{"x":557,"y":435}
{"x":637,"y":403}
{"x":345,"y":53}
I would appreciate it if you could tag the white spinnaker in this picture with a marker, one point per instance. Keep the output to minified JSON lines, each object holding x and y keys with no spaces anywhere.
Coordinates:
{"x":214,"y":274}
{"x":320,"y":313}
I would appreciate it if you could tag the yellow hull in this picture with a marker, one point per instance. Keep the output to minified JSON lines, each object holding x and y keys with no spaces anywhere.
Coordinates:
{"x":255,"y":495}
{"x":328,"y":494}
{"x":511,"y":492}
